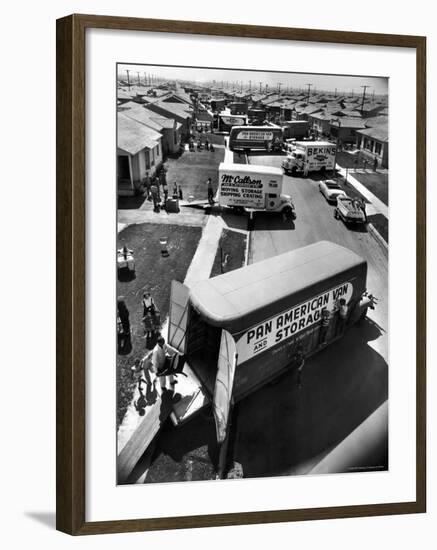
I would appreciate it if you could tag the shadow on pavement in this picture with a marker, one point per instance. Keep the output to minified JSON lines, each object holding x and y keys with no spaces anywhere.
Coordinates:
{"x":282,"y":428}
{"x":131,"y":203}
{"x":186,"y":453}
{"x":264,"y":221}
{"x":357,"y":228}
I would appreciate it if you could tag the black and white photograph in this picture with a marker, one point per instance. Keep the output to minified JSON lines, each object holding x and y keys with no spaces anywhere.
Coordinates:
{"x":252,"y":274}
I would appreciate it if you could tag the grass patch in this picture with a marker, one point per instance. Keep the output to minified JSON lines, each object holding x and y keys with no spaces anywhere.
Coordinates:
{"x":375,"y":182}
{"x":153,"y":273}
{"x":347,"y":160}
{"x":233,"y":244}
{"x":380,"y":223}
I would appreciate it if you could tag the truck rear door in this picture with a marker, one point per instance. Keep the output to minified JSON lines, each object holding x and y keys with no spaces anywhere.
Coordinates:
{"x":192,"y":395}
{"x":178,"y":318}
{"x":227,"y":361}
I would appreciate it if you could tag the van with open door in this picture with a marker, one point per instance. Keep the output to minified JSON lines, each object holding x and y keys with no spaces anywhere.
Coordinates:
{"x":240,"y":330}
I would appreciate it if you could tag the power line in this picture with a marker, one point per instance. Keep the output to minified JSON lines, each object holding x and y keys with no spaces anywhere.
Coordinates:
{"x":309,"y":92}
{"x":364,"y":96}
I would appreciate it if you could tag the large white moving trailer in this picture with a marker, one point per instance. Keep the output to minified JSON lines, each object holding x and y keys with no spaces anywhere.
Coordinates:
{"x":253,"y":187}
{"x":310,"y":156}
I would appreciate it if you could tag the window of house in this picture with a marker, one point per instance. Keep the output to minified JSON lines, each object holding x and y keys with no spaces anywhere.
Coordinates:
{"x":378,"y":148}
{"x":157,"y":150}
{"x":368,"y":143}
{"x":147,"y":156}
{"x":153,"y":157}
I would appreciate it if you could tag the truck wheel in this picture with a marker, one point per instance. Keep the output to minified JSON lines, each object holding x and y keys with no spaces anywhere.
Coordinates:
{"x":287,"y":212}
{"x":323,"y":169}
{"x":293,"y":170}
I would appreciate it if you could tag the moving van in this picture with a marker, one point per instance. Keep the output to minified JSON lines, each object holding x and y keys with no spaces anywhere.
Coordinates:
{"x":253,"y":187}
{"x":240,"y":330}
{"x":310,"y":156}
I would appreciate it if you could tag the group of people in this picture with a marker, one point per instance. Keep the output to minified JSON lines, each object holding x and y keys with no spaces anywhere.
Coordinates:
{"x":157,"y":185}
{"x":157,"y":368}
{"x":207,"y":145}
{"x":360,"y":204}
{"x":339,"y":316}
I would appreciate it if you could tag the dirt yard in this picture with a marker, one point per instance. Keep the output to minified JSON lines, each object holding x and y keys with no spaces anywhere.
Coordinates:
{"x":154,"y":273}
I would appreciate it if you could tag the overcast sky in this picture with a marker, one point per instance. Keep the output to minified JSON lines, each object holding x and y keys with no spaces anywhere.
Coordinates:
{"x":344,"y":84}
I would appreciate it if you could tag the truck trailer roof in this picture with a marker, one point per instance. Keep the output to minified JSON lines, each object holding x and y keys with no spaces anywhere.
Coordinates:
{"x":240,"y":298}
{"x":259,"y":127}
{"x":314,"y":144}
{"x":250,"y":168}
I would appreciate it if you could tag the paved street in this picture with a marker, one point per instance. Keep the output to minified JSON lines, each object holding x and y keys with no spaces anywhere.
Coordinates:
{"x":284,"y":429}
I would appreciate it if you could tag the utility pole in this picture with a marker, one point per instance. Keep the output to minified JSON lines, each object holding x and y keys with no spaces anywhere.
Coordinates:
{"x":364,"y":97}
{"x":279,"y":87}
{"x":128,"y":81}
{"x":139,"y":80}
{"x":309,"y":92}
{"x":335,"y":94}
{"x":250,"y":86}
{"x":260,"y":87}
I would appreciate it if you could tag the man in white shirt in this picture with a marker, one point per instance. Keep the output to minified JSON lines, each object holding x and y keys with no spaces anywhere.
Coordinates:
{"x":161,"y":360}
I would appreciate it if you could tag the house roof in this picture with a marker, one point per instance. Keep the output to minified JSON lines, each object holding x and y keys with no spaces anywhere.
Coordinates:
{"x":177,"y":109}
{"x":376,"y":121}
{"x":354,"y":123}
{"x":123,"y":94}
{"x":321,"y":115}
{"x":351,"y":113}
{"x":311,"y":109}
{"x":148,"y":117}
{"x":380,"y":133}
{"x":140,"y":114}
{"x":134,"y":136}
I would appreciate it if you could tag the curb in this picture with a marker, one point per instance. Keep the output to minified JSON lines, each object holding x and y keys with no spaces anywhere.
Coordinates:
{"x":377,"y":236}
{"x":248,"y":247}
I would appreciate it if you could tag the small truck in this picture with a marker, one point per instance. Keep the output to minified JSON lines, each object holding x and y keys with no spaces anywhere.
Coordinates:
{"x":253,"y":188}
{"x":295,"y":129}
{"x":310,"y":156}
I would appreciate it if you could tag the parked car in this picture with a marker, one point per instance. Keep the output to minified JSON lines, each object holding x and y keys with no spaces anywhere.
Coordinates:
{"x":349,"y":210}
{"x":331,"y":190}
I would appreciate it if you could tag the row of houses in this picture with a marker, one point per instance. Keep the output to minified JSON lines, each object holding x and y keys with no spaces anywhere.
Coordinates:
{"x":151,"y":124}
{"x":344,"y":119}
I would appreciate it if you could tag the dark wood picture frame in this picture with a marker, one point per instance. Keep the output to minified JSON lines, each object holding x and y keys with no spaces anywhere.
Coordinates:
{"x":70,"y":203}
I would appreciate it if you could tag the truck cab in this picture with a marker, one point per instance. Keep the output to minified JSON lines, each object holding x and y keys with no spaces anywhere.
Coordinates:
{"x":294,"y":162}
{"x":279,"y":202}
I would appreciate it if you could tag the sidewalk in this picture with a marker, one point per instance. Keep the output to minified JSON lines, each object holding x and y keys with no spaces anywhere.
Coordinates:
{"x":203,"y":259}
{"x":378,"y":206}
{"x":184,"y":217}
